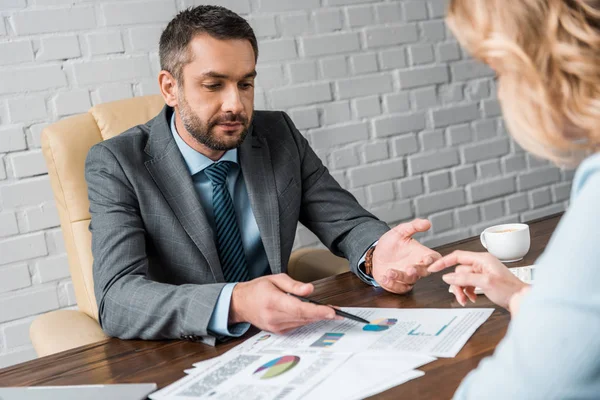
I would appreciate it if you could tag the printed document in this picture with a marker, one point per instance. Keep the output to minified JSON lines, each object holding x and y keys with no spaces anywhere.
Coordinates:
{"x":366,"y":374}
{"x":288,"y":375}
{"x":295,"y":375}
{"x":426,"y":331}
{"x":332,"y":359}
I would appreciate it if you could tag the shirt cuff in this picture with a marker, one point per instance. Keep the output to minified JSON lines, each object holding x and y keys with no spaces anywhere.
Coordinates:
{"x":219,"y":320}
{"x":360,"y":270}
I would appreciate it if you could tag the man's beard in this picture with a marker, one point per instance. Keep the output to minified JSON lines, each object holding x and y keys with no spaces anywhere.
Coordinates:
{"x":203,"y":132}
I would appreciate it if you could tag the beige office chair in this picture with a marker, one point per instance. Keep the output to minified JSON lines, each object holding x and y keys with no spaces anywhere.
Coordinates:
{"x":65,"y":145}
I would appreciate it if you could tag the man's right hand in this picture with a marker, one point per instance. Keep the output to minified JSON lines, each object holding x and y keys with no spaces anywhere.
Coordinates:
{"x":264,"y":303}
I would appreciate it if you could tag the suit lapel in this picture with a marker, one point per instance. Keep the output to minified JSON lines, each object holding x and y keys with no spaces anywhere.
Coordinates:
{"x":257,"y":169}
{"x":167,"y":168}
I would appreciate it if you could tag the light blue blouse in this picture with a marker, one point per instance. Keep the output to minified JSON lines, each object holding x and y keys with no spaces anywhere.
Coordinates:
{"x":552,"y":347}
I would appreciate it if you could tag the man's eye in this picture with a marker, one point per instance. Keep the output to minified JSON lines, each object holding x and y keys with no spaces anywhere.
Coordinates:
{"x":246,"y":85}
{"x":213,"y":86}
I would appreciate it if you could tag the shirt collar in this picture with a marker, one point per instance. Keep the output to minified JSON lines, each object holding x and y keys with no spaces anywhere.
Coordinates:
{"x":194,"y":160}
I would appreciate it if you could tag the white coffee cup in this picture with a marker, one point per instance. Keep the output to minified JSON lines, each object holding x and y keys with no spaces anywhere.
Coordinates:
{"x":508,"y":242}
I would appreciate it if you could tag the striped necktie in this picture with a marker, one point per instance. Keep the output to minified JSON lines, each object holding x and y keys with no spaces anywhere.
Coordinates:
{"x":229,"y":239}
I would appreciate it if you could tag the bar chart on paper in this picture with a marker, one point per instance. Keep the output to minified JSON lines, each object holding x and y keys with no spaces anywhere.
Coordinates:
{"x":327,"y":340}
{"x":429,"y":329}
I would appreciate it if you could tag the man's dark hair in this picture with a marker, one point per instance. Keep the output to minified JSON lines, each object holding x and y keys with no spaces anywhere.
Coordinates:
{"x":216,"y":21}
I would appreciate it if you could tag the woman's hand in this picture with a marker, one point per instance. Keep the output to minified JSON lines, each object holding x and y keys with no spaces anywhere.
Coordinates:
{"x":479,"y":270}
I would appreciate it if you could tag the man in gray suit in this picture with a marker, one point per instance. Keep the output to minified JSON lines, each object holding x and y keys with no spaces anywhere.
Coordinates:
{"x":194,"y":213}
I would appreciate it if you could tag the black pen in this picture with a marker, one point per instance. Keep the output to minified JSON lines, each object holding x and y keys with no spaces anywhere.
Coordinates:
{"x":338,"y":312}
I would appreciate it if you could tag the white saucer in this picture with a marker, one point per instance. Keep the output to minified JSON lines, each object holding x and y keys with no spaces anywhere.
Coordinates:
{"x":515,"y":260}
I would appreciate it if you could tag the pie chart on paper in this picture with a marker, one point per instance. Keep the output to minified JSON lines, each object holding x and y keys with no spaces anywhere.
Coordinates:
{"x":276,"y":367}
{"x":380,"y":324}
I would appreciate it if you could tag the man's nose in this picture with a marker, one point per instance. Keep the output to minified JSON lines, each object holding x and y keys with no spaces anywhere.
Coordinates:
{"x":232,"y":102}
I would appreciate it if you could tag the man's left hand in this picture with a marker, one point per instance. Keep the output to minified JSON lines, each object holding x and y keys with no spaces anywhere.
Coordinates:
{"x":399,"y":260}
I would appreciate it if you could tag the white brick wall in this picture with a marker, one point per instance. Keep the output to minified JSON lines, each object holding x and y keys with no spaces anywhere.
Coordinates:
{"x":403,"y":119}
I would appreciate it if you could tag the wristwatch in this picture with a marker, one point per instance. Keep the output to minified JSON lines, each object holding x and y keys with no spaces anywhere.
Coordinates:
{"x":369,"y":261}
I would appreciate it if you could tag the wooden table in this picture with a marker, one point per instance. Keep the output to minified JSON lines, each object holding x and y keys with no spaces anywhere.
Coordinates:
{"x":163,"y":362}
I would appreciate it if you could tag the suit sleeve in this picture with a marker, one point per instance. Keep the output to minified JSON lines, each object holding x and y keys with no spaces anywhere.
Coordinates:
{"x":330,"y":211}
{"x":131,"y":304}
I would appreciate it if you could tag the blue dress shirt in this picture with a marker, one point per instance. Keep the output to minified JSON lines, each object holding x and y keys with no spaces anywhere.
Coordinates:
{"x":258,"y":264}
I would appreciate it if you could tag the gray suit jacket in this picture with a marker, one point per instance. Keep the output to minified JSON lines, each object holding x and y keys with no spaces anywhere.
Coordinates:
{"x":156,"y":268}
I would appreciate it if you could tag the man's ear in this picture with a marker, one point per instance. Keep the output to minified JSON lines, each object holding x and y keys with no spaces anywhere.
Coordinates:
{"x":168,"y":87}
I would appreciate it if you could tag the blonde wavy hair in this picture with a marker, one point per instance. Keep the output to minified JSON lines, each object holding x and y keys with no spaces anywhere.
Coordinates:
{"x":547,"y":57}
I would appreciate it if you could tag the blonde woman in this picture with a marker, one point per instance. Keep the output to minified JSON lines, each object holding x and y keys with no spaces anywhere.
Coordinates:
{"x":547,"y":57}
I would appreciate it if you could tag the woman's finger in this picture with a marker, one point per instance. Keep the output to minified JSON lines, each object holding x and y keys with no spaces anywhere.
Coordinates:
{"x":466,"y":279}
{"x":463,"y":269}
{"x":457,"y":257}
{"x":470,"y":292}
{"x":459,"y":294}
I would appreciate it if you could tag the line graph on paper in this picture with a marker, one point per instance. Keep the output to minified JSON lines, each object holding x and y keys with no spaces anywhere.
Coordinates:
{"x":430,"y":329}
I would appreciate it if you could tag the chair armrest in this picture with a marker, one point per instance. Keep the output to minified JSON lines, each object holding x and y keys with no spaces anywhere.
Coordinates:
{"x":62,"y":330}
{"x":307,"y":265}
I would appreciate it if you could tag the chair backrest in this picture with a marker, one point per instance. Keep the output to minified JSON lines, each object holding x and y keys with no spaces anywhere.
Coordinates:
{"x":65,"y":145}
